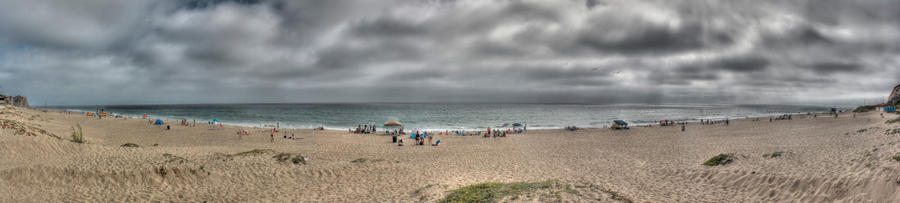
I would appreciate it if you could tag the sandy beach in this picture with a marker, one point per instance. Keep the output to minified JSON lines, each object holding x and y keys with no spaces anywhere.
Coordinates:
{"x":822,"y":159}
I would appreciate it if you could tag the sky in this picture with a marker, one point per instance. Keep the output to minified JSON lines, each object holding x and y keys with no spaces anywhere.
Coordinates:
{"x":819,"y":52}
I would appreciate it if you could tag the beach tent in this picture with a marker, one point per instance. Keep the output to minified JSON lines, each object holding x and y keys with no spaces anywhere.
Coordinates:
{"x":215,"y":120}
{"x":619,"y":124}
{"x":393,"y":123}
{"x":158,"y":122}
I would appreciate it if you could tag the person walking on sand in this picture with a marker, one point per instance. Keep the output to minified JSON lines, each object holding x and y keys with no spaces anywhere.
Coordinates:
{"x":272,"y":135}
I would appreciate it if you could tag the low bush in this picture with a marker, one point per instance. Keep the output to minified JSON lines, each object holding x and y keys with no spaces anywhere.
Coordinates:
{"x":720,"y":159}
{"x":293,"y":158}
{"x":493,"y":191}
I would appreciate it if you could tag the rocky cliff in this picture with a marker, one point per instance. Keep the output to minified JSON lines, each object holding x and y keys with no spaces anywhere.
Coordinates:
{"x":894,"y":99}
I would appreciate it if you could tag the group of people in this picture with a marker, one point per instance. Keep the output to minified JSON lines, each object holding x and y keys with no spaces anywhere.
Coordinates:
{"x":713,"y":122}
{"x":184,"y":122}
{"x":419,"y":138}
{"x":364,"y":129}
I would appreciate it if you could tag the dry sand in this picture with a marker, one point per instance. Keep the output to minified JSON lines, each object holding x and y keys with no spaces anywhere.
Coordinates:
{"x":825,"y":159}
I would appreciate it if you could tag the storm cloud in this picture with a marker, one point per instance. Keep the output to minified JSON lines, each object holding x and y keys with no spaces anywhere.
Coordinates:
{"x":571,"y":51}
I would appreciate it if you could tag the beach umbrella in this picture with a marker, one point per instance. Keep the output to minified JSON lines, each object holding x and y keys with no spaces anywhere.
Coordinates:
{"x":504,"y":125}
{"x":215,"y":120}
{"x":517,"y":124}
{"x":393,"y":123}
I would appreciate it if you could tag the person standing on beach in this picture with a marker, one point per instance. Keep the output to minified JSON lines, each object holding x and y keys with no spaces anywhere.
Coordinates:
{"x":272,"y":135}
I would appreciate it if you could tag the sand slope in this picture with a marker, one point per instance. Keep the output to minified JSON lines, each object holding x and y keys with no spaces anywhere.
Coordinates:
{"x":824,"y":159}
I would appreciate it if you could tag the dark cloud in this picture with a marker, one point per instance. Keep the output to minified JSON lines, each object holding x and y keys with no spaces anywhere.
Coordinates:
{"x":204,"y":4}
{"x":742,"y":64}
{"x":827,"y":68}
{"x":590,"y":51}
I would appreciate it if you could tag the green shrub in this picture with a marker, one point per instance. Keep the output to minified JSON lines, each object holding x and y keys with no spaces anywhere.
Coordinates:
{"x":862,"y":109}
{"x":720,"y":159}
{"x":896,"y":157}
{"x":493,"y":191}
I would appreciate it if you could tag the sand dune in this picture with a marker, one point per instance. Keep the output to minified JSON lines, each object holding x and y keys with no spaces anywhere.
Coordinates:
{"x":823,"y":160}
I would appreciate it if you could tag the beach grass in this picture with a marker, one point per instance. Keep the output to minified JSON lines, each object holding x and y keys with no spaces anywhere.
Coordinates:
{"x":773,"y":155}
{"x":892,"y":121}
{"x":170,"y":158}
{"x":130,"y":145}
{"x":494,"y":191}
{"x":255,"y":152}
{"x":293,"y":158}
{"x":569,"y":190}
{"x":720,"y":159}
{"x":616,"y":196}
{"x":77,"y":134}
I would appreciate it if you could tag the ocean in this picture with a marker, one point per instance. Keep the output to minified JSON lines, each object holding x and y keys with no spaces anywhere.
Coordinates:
{"x":444,"y":116}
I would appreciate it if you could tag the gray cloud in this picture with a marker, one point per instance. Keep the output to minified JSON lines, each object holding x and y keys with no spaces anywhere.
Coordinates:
{"x":579,"y":51}
{"x":744,"y":64}
{"x":833,"y":67}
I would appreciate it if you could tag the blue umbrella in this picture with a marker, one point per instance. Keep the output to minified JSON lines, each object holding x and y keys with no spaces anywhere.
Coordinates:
{"x":517,"y":124}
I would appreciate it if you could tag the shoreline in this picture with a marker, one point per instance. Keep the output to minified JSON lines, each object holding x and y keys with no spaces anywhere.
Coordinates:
{"x":533,"y":127}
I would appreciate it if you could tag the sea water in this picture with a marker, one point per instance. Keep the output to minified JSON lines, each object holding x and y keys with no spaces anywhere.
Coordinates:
{"x":444,"y":116}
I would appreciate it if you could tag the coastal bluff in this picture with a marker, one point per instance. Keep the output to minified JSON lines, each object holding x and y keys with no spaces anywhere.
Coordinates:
{"x":19,"y":101}
{"x":894,"y":99}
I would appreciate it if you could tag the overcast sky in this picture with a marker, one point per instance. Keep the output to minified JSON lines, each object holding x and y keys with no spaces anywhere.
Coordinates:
{"x":69,"y":52}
